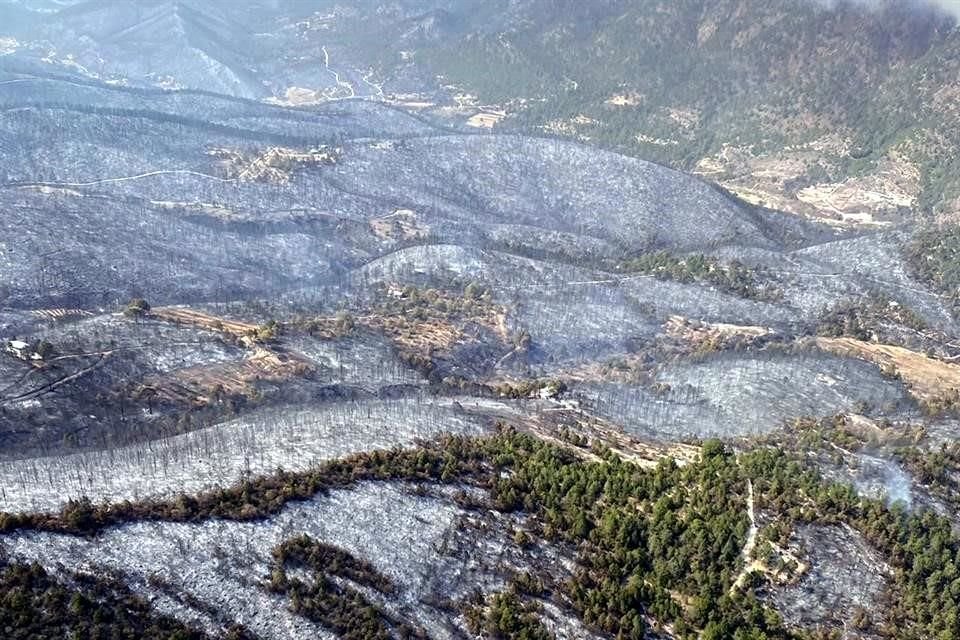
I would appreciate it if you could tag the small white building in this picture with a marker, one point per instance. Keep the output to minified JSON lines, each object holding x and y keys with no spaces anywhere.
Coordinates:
{"x":20,"y":349}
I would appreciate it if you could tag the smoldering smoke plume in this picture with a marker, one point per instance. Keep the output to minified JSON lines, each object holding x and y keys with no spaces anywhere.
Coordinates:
{"x":898,"y":486}
{"x":950,"y":7}
{"x":887,"y":478}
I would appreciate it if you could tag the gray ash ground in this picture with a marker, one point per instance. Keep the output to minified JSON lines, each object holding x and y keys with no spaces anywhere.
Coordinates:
{"x":128,"y":408}
{"x":743,"y":394}
{"x":534,"y":220}
{"x":844,"y":575}
{"x":437,"y":553}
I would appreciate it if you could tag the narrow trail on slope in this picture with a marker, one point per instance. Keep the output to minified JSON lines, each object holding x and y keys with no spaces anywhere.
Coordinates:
{"x":336,"y":76}
{"x":93,"y":183}
{"x":824,"y":276}
{"x":49,"y":387}
{"x":749,"y":565}
{"x":379,"y":87}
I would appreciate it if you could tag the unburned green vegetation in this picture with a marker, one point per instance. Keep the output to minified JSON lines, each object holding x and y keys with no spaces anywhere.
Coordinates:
{"x":507,"y":615}
{"x":35,"y":605}
{"x":934,"y":256}
{"x":661,"y":544}
{"x":731,"y":277}
{"x":329,"y":597}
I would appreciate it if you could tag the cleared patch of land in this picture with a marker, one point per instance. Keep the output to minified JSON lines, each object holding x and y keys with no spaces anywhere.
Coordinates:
{"x":927,"y":378}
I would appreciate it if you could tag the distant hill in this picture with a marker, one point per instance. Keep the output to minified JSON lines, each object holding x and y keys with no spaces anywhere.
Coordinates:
{"x":843,"y":111}
{"x":806,"y":107}
{"x":167,"y":43}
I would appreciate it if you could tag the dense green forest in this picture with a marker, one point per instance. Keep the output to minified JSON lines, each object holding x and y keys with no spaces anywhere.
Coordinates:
{"x":336,"y":605}
{"x":934,"y":255}
{"x":36,"y":606}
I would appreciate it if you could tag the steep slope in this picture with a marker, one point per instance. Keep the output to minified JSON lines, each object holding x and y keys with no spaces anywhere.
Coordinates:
{"x":167,"y":41}
{"x":175,"y":43}
{"x":354,"y":370}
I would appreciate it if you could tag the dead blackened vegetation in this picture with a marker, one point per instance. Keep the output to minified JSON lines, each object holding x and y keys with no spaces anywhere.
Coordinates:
{"x":750,"y":282}
{"x":307,"y":285}
{"x":874,"y":318}
{"x":82,"y":391}
{"x":274,"y":165}
{"x":932,"y":255}
{"x":566,"y":499}
{"x":936,"y":468}
{"x":454,"y":338}
{"x":153,"y":372}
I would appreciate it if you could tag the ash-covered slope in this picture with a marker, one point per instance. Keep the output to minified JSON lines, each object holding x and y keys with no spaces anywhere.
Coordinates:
{"x":594,"y":266}
{"x":233,"y":184}
{"x":245,"y":49}
{"x":836,"y":110}
{"x":249,"y":193}
{"x":199,"y":290}
{"x":159,"y":42}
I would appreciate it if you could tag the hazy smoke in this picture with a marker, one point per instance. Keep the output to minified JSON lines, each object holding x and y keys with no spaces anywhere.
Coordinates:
{"x":951,"y":7}
{"x":898,"y":486}
{"x":890,"y":479}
